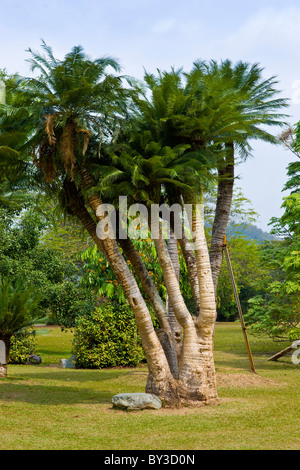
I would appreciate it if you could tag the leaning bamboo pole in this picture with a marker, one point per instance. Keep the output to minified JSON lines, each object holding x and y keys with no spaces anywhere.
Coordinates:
{"x":238,"y":305}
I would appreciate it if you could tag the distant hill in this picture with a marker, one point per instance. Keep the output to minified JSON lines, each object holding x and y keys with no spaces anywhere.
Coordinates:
{"x":251,"y":232}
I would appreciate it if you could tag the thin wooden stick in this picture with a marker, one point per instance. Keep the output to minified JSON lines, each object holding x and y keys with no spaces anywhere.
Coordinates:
{"x":238,"y":305}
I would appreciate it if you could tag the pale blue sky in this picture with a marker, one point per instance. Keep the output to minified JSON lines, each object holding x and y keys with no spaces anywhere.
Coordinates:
{"x":154,"y":34}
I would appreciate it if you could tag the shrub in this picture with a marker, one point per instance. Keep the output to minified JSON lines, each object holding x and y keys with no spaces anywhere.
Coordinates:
{"x":23,"y":344}
{"x":107,"y":337}
{"x":68,"y":302}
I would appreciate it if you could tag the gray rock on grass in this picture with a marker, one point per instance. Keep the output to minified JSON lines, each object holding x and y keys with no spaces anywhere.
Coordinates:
{"x":136,"y":401}
{"x":35,"y":359}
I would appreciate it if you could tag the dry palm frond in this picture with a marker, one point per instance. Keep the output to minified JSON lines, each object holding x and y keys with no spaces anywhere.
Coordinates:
{"x":67,"y":148}
{"x":286,"y":135}
{"x":49,"y":127}
{"x":44,"y":161}
{"x":86,"y":138}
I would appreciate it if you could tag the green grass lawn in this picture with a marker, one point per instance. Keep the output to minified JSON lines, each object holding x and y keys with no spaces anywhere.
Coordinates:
{"x":44,"y":407}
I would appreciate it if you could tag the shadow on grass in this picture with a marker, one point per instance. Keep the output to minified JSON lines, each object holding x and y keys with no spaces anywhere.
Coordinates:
{"x":40,"y":372}
{"x":50,"y":386}
{"x":52,"y":395}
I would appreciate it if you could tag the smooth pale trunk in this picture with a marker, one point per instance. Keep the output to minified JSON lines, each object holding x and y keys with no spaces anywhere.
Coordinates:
{"x":176,"y":327}
{"x":222,"y":212}
{"x":207,"y":316}
{"x":190,"y":261}
{"x":196,"y":384}
{"x":165,"y":334}
{"x":160,"y":379}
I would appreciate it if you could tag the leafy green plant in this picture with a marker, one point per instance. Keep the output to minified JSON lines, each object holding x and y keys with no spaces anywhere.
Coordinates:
{"x":276,"y":311}
{"x":39,"y":268}
{"x":69,"y":301}
{"x":249,"y":273}
{"x":98,"y":275}
{"x":17,"y":309}
{"x":107,"y":338}
{"x":22,"y":345}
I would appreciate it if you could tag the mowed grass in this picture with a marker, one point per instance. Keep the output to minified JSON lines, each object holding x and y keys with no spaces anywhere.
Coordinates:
{"x":44,"y":407}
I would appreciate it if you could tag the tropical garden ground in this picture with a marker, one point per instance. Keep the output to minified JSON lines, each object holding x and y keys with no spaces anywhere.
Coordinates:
{"x":44,"y":407}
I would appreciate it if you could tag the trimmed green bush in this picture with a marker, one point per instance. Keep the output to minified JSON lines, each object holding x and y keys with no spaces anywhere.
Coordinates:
{"x":107,"y":337}
{"x":22,"y":345}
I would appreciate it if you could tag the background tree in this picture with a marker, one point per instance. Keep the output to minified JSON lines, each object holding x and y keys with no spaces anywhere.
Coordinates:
{"x":40,"y":268}
{"x":277,"y":310}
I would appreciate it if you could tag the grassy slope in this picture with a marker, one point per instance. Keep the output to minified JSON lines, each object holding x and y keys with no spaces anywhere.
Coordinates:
{"x":44,"y":407}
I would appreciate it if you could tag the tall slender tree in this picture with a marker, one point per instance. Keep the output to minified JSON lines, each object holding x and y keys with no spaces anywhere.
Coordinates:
{"x":259,"y":109}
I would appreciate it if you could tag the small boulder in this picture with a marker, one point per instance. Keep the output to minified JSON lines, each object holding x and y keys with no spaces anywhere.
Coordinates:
{"x":136,"y":401}
{"x":35,"y":359}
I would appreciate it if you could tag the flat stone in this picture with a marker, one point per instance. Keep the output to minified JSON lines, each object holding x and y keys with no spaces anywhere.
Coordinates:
{"x":136,"y":401}
{"x":67,"y":363}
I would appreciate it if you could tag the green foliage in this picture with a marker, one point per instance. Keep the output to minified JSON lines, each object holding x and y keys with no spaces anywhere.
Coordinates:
{"x":69,"y":301}
{"x":289,"y":223}
{"x":40,"y":268}
{"x":97,"y":274}
{"x":17,"y":308}
{"x":276,"y":309}
{"x":248,"y":271}
{"x":22,"y":345}
{"x":107,"y":338}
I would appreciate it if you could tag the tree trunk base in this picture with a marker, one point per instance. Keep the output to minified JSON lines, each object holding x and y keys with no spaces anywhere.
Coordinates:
{"x":165,"y":390}
{"x":174,"y":394}
{"x":197,"y":404}
{"x":197,"y":396}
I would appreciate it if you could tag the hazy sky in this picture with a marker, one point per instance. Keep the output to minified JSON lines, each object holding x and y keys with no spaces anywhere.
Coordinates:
{"x":150,"y":34}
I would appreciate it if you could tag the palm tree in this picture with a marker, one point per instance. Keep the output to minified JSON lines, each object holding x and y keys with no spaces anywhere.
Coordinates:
{"x":15,"y":177}
{"x":72,"y":112}
{"x":219,"y":108}
{"x":69,"y":111}
{"x":258,"y":110}
{"x":17,"y":307}
{"x":194,"y":109}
